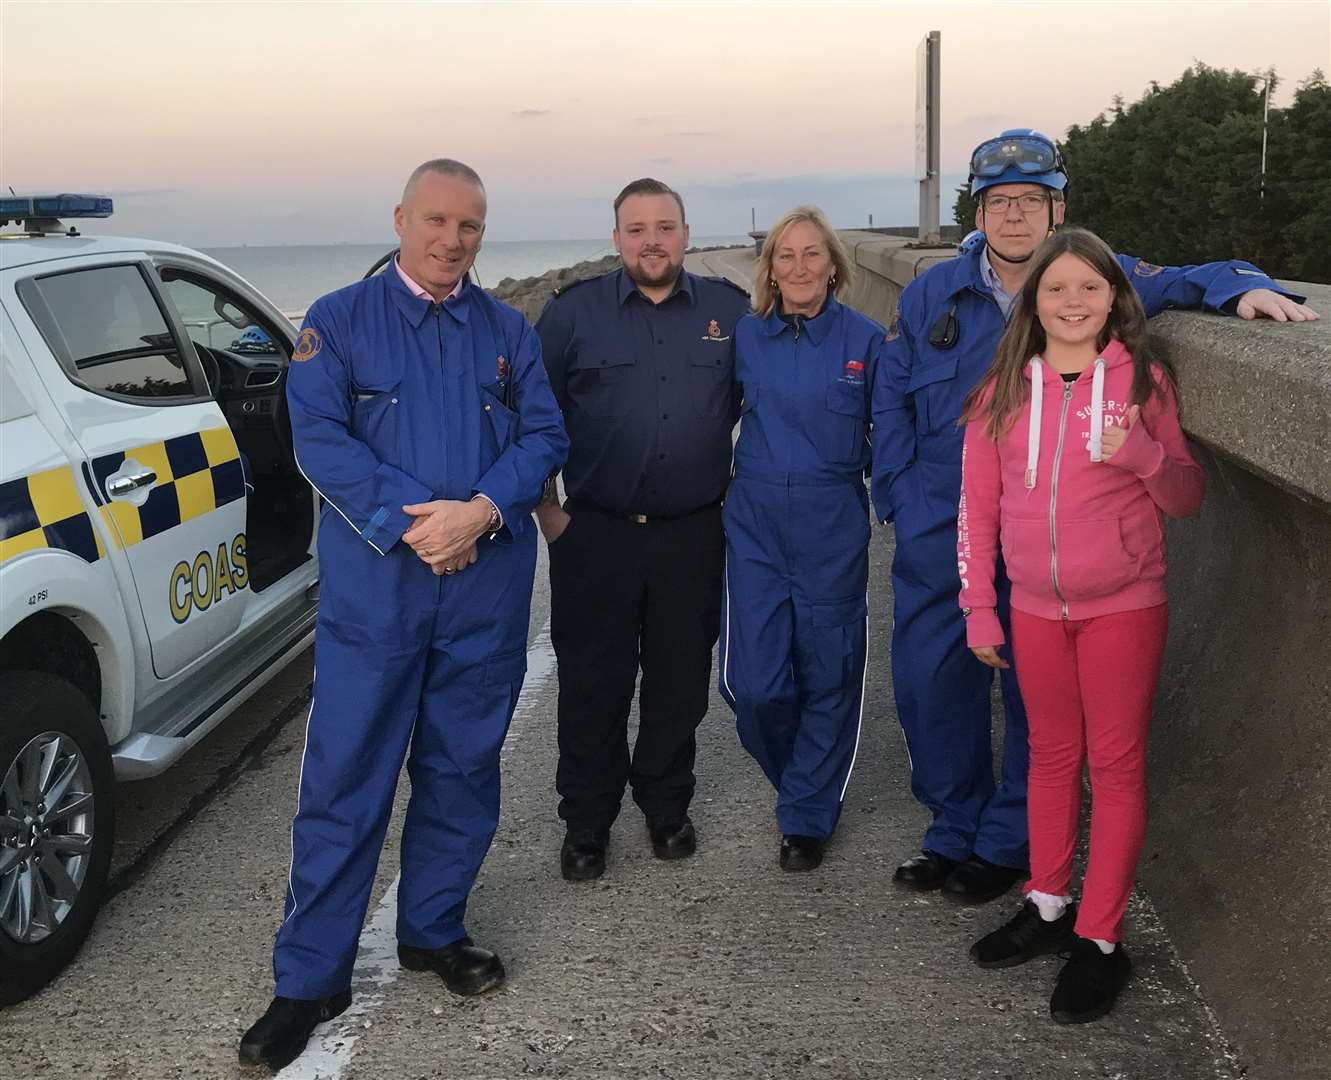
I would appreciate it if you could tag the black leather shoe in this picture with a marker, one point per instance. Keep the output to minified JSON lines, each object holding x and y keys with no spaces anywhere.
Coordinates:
{"x":1089,"y":983}
{"x":925,"y":871}
{"x":977,"y":881}
{"x":800,"y":852}
{"x":278,"y":1037}
{"x":672,"y":839}
{"x":582,"y":857}
{"x":1024,"y":937}
{"x":465,"y":968}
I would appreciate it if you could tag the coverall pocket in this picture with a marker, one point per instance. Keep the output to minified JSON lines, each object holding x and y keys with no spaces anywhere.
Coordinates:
{"x":834,"y":626}
{"x":597,"y":383}
{"x":936,"y":396}
{"x":503,"y":420}
{"x":845,"y":425}
{"x":710,"y":380}
{"x":506,"y":668}
{"x":374,"y":418}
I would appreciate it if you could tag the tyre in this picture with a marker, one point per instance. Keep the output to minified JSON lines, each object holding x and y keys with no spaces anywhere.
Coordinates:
{"x":56,"y":826}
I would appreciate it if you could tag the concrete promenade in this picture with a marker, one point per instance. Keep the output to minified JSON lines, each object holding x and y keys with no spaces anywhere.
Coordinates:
{"x":1238,"y":857}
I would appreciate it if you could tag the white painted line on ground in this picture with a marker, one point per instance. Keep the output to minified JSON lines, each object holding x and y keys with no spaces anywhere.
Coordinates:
{"x":331,"y":1047}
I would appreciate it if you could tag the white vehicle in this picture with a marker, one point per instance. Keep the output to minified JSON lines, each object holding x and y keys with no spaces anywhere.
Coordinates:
{"x":157,"y":559}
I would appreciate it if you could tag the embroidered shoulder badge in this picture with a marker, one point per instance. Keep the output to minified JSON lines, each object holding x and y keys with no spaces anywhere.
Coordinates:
{"x":1145,"y":269}
{"x":307,"y":345}
{"x":894,"y":329}
{"x":501,"y":368}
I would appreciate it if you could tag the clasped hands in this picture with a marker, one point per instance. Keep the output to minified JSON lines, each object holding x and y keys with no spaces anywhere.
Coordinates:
{"x":445,"y":532}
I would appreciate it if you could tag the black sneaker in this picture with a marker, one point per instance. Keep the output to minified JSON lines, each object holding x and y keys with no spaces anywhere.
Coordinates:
{"x":1024,"y":937}
{"x":1089,"y":983}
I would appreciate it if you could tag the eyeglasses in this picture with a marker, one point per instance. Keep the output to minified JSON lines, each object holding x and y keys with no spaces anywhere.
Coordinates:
{"x":1030,"y":203}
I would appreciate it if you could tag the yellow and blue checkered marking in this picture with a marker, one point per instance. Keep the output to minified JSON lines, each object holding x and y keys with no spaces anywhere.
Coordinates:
{"x":44,"y":511}
{"x":196,"y":474}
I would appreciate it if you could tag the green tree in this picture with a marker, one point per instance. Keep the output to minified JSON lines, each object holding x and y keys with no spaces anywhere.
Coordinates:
{"x":1176,"y":177}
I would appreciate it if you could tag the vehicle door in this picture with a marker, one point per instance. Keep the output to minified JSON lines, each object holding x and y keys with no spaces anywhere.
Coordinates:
{"x":159,"y":456}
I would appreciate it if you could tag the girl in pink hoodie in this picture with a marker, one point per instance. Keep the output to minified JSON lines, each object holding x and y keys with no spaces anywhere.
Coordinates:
{"x":1073,"y":452}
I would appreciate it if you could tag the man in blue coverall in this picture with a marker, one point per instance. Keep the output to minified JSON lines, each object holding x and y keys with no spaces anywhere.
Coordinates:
{"x":941,"y":342}
{"x":422,"y":414}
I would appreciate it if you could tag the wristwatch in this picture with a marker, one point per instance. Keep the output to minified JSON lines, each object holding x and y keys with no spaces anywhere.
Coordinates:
{"x":493,"y":523}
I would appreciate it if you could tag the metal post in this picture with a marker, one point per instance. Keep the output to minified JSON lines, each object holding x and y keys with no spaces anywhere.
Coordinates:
{"x":1266,"y":112}
{"x":928,"y":99}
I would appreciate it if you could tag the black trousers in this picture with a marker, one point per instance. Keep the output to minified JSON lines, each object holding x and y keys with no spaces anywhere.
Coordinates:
{"x":624,"y":595}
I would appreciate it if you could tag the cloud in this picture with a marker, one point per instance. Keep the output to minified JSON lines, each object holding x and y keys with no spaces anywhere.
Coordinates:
{"x":531,"y":114}
{"x":660,"y":161}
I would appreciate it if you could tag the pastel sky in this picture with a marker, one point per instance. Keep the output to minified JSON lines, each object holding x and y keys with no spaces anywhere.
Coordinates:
{"x":283,"y":122}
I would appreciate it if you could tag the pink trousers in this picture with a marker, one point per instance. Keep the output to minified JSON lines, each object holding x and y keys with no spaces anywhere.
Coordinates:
{"x":1088,"y":686}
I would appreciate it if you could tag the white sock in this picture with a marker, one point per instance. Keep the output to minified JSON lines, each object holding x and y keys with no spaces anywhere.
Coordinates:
{"x":1106,"y":947}
{"x":1051,"y":907}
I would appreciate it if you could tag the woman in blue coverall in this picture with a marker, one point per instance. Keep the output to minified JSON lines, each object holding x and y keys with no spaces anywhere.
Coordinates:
{"x":797,"y":529}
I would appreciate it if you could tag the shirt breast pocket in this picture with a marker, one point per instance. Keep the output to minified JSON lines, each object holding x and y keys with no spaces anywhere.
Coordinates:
{"x":710,"y":381}
{"x":937,"y":397}
{"x":598,"y":383}
{"x":845,"y":426}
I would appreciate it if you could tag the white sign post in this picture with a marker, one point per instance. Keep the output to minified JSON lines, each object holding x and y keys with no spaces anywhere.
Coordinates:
{"x":928,"y":97}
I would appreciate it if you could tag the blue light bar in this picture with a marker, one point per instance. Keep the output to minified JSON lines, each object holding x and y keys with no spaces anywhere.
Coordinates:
{"x":27,"y":207}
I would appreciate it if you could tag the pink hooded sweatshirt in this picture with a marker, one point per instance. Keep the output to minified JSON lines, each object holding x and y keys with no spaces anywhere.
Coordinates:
{"x":1081,"y":537}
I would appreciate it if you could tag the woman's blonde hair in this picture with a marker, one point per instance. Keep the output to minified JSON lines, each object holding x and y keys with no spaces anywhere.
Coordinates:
{"x":765,"y":294}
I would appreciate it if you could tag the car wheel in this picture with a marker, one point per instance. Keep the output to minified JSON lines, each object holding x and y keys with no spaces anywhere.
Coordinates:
{"x":56,"y":825}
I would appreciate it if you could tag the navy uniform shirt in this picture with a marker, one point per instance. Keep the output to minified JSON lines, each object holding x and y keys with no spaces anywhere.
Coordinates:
{"x":647,"y":390}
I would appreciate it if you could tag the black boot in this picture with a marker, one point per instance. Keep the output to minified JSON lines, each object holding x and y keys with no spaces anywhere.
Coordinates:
{"x":801,"y":852}
{"x":925,"y":871}
{"x":465,"y":968}
{"x":278,"y":1037}
{"x":672,"y":838}
{"x":977,"y":881}
{"x":582,"y":856}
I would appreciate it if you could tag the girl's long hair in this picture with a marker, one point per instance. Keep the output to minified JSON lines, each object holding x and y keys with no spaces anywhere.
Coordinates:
{"x":1004,"y":389}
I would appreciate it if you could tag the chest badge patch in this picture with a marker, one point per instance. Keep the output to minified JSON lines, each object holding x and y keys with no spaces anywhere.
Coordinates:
{"x":501,"y":368}
{"x":714,"y":332}
{"x":1145,"y":269}
{"x":854,"y":371}
{"x":307,"y":345}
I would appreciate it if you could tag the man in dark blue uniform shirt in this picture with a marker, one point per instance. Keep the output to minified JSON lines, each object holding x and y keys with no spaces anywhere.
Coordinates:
{"x":641,"y":362}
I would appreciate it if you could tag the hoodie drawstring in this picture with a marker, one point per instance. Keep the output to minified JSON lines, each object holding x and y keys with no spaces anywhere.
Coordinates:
{"x":1094,"y":444}
{"x":1033,"y":437}
{"x":1097,"y":409}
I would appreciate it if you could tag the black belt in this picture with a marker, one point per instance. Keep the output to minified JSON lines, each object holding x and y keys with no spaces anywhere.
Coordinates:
{"x":637,"y":519}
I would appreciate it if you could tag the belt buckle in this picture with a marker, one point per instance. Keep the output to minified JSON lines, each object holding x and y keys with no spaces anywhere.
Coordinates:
{"x":638,"y":519}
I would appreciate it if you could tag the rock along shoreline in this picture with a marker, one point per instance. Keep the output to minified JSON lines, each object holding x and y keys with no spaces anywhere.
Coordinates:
{"x":530,"y":295}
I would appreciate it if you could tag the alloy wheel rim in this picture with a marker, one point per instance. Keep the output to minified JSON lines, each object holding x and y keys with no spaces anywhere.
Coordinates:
{"x":46,"y":831}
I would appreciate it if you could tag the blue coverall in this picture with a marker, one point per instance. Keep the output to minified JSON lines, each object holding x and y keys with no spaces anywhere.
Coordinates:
{"x":942,"y":690}
{"x":397,"y":400}
{"x":797,"y":529}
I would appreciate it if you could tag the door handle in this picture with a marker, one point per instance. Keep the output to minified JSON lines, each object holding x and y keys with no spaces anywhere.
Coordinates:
{"x":120,"y":486}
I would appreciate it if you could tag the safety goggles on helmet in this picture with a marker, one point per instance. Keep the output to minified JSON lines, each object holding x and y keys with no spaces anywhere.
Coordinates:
{"x":1017,"y":157}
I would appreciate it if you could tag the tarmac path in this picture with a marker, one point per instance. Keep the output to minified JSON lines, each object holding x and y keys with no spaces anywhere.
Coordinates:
{"x":718,"y":966}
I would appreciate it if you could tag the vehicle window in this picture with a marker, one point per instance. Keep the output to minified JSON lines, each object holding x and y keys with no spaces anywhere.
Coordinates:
{"x":105,"y":323}
{"x":214,"y":319}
